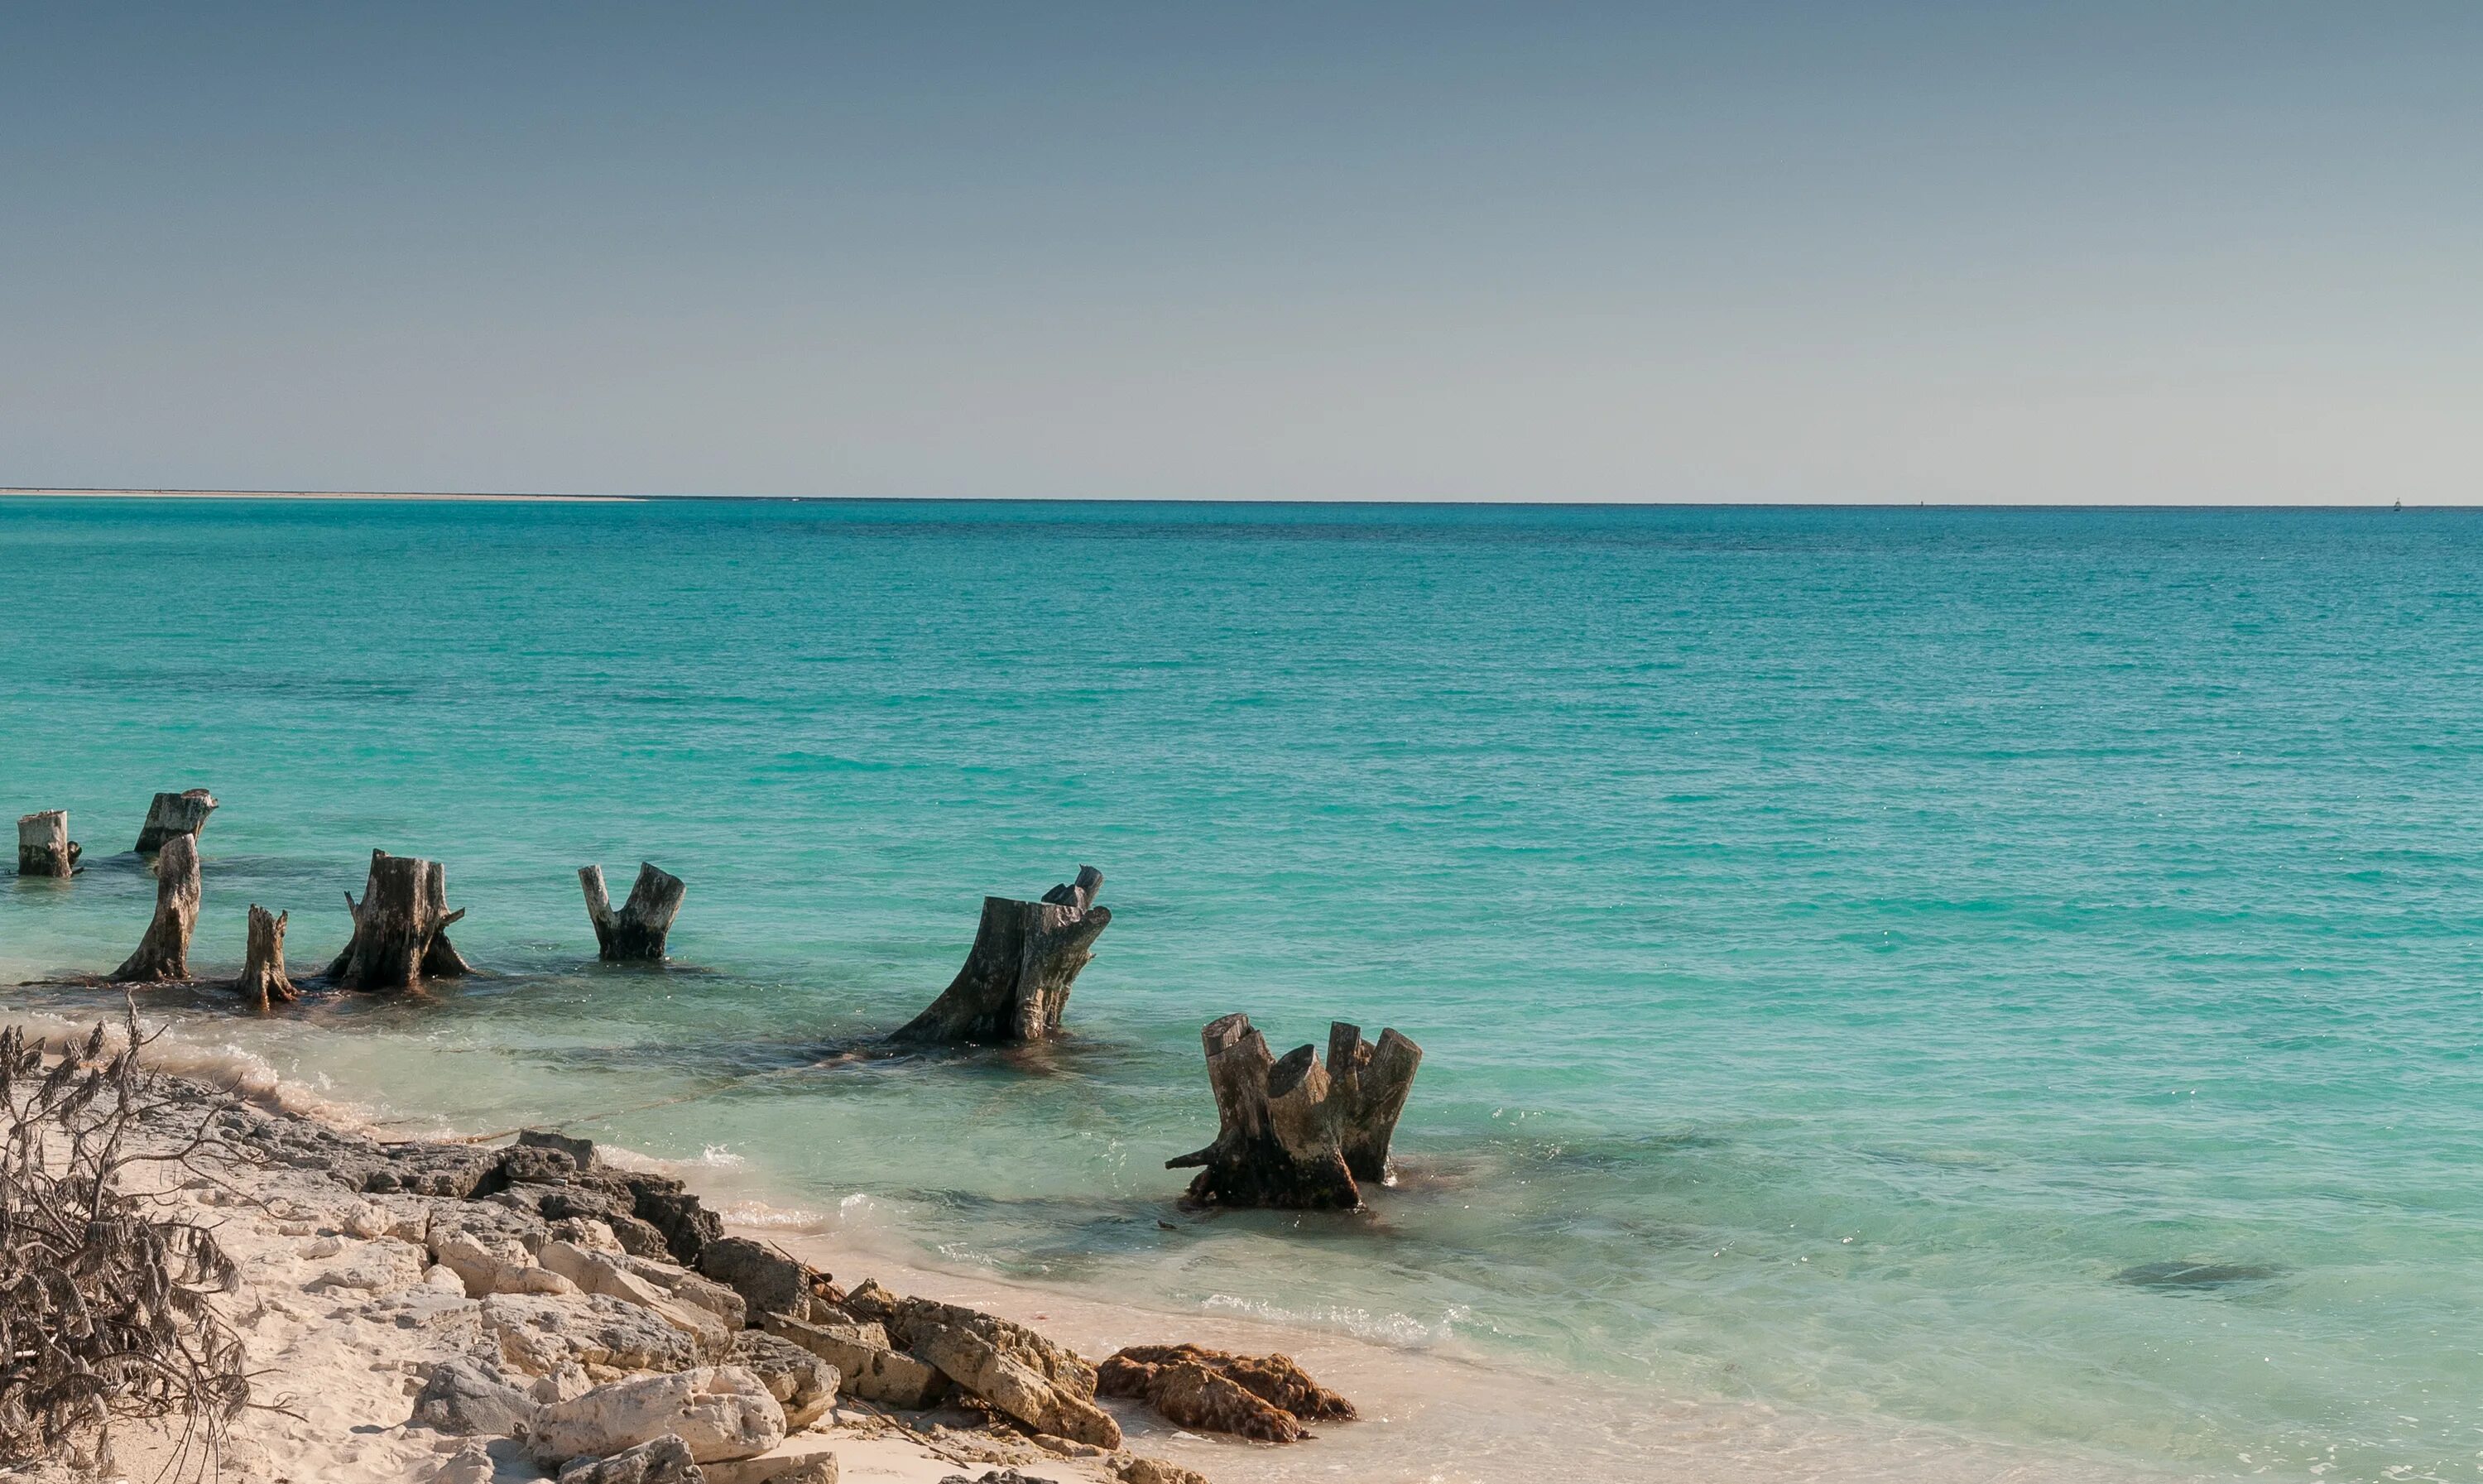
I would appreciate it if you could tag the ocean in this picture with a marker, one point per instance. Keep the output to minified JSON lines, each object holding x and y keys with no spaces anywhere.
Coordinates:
{"x":1866,"y":958}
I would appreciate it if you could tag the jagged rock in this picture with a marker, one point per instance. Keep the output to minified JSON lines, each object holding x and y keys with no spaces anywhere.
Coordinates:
{"x":491,"y":1263}
{"x":687,"y":1225}
{"x":1153,"y":1470}
{"x":429,"y":1169}
{"x":665,"y":1460}
{"x":1013,"y":1386}
{"x":601,"y":1334}
{"x":805,"y":1385}
{"x":868,"y":1300}
{"x":461,"y":1396}
{"x":570,"y":1380}
{"x":867,"y":1366}
{"x":596,"y":1272}
{"x":579,"y":1150}
{"x":998,"y":1476}
{"x":530,"y":1164}
{"x":909,"y":1320}
{"x":768,"y":1281}
{"x":591,"y":1232}
{"x":1266,"y":1397}
{"x":719,"y":1411}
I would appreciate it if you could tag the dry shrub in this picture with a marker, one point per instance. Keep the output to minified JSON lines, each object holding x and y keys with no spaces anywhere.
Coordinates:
{"x":104,"y":1312}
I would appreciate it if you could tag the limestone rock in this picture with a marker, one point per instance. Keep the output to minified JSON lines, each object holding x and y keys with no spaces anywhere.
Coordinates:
{"x":1266,"y":1396}
{"x":768,"y":1281}
{"x":383,"y":1266}
{"x":1012,"y":1386}
{"x":665,"y":1460}
{"x":907,"y":1320}
{"x":1153,"y":1470}
{"x":805,"y":1385}
{"x":601,"y":1334}
{"x":595,"y":1272}
{"x":867,"y":1366}
{"x":719,"y":1411}
{"x":461,"y":1396}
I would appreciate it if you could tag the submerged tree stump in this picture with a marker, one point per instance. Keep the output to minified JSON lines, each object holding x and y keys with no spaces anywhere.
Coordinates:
{"x":1293,"y":1133}
{"x":43,"y":844}
{"x":163,"y":955}
{"x":263,"y":979}
{"x":637,"y":933}
{"x":400,"y":928}
{"x":172,"y":814}
{"x":1017,"y":976}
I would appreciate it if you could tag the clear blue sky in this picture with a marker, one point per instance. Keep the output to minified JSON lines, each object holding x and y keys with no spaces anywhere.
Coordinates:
{"x":1844,"y":252}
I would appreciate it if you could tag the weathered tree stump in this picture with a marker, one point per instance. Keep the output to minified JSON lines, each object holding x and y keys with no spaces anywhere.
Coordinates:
{"x":264,"y":980}
{"x":1293,"y":1133}
{"x":172,"y":814}
{"x":1017,"y":976}
{"x":400,"y":928}
{"x":638,"y":932}
{"x":163,"y":955}
{"x":43,"y":844}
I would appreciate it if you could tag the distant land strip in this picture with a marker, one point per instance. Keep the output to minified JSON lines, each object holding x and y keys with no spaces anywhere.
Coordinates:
{"x":313,"y":494}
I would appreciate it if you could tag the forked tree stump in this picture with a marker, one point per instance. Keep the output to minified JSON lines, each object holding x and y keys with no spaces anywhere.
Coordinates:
{"x":43,"y":844}
{"x":400,"y":928}
{"x":163,"y":955}
{"x":1017,"y":976}
{"x":172,"y":814}
{"x":264,"y":980}
{"x":637,"y":933}
{"x":1293,"y":1133}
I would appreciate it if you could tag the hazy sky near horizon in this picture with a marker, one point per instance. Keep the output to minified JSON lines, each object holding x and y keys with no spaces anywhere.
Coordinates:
{"x":2099,"y":253}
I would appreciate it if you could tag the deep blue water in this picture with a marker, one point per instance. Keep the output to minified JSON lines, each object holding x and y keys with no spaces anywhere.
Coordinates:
{"x":1843,"y":941}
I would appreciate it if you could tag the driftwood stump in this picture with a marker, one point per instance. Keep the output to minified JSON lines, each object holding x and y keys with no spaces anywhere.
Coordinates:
{"x":263,"y":979}
{"x":163,"y":955}
{"x":43,"y":844}
{"x":400,"y":928}
{"x":638,"y":931}
{"x":172,"y":814}
{"x":1017,"y":976}
{"x":1292,"y":1132}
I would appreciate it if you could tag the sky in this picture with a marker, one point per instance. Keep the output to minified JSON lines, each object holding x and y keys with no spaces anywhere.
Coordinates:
{"x":2101,"y":252}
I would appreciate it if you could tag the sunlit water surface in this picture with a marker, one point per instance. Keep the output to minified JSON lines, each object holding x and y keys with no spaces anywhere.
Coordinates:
{"x":1856,"y":951}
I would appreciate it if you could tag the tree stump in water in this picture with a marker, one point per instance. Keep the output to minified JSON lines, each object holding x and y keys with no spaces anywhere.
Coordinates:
{"x":638,"y":932}
{"x":43,"y":844}
{"x":1017,"y":976}
{"x":1293,"y":1133}
{"x":172,"y":814}
{"x":163,"y":955}
{"x":262,"y":971}
{"x":400,"y":928}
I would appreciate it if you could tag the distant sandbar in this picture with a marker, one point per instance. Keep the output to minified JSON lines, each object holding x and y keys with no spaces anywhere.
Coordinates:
{"x":312,"y":495}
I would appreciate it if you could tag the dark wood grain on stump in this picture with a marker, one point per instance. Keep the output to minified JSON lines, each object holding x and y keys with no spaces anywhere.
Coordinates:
{"x":636,"y":933}
{"x":163,"y":955}
{"x":1291,"y":1132}
{"x":1015,"y":983}
{"x":400,"y":928}
{"x":263,"y":980}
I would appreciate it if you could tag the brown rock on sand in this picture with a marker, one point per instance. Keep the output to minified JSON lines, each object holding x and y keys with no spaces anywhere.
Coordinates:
{"x":1263,"y":1396}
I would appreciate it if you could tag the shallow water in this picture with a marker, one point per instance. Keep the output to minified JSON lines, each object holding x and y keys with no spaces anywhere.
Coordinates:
{"x":1854,"y":949}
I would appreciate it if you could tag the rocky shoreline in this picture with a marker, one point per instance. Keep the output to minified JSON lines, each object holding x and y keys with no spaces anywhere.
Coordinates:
{"x":455,"y":1314}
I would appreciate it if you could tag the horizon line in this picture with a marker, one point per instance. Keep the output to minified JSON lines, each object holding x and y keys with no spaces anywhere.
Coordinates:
{"x":411,"y":496}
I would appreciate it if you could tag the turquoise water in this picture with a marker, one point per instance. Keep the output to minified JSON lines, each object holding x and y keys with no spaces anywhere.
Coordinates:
{"x":1843,"y":941}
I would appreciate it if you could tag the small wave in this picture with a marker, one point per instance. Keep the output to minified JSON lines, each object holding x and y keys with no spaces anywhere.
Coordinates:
{"x":1398,"y":1329}
{"x":222,"y":1065}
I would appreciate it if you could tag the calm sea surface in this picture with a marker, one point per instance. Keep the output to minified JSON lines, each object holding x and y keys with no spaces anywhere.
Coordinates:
{"x":1846,"y":944}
